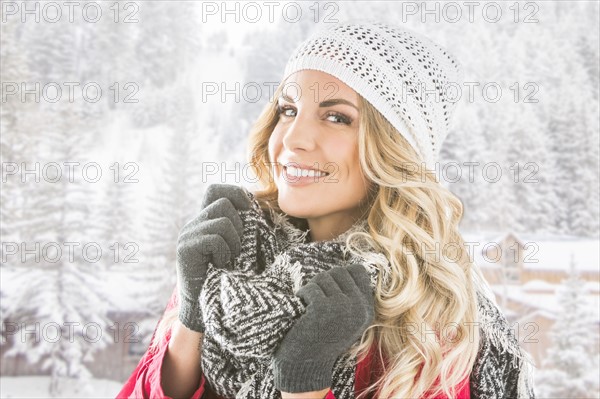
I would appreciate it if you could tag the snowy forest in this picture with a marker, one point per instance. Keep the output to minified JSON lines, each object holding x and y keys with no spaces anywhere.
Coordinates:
{"x":97,"y":182}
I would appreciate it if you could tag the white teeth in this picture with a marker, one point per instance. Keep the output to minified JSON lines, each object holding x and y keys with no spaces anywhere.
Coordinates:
{"x":297,"y":172}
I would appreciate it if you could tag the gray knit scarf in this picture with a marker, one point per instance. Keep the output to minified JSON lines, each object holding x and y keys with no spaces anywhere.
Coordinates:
{"x":248,"y":310}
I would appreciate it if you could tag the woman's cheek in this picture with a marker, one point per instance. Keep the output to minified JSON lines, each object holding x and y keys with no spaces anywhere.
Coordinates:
{"x":272,"y":147}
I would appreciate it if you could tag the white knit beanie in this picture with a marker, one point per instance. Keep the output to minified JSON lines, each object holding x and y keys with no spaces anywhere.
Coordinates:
{"x":393,"y":69}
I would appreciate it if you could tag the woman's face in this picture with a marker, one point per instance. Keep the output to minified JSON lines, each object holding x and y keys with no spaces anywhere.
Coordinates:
{"x":318,"y":129}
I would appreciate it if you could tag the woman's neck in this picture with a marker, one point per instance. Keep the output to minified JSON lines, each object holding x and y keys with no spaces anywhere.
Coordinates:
{"x":329,"y":228}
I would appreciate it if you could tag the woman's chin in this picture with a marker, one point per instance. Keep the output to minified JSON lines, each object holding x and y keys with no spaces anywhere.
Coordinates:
{"x":292,"y":209}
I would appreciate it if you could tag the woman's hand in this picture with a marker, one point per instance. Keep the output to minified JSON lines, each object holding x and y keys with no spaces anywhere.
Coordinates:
{"x":339,"y":307}
{"x":214,"y":236}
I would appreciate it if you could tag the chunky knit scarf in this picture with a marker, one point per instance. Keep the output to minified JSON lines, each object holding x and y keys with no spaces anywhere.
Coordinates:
{"x":248,"y":310}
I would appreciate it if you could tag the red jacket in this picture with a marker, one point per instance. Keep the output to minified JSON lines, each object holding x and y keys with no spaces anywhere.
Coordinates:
{"x":144,"y":382}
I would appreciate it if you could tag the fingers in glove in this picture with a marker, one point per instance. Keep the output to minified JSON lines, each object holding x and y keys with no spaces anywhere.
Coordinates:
{"x":218,"y":209}
{"x":328,"y":284}
{"x":363,"y":282}
{"x":361,"y":277}
{"x":222,"y":227}
{"x":211,"y":248}
{"x":310,"y":293}
{"x":237,"y":195}
{"x":344,"y":281}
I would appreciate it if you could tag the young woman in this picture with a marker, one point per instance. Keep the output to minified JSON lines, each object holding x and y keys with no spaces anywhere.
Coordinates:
{"x":345,"y":274}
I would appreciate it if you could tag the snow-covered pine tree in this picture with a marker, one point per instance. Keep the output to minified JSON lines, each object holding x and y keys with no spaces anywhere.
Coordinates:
{"x":168,"y":42}
{"x":176,"y":200}
{"x":471,"y":138}
{"x":570,"y":108}
{"x":68,"y":289}
{"x":466,"y":146}
{"x":107,"y":52}
{"x":114,"y":224}
{"x":584,"y":208}
{"x":13,"y":125}
{"x":569,"y":369}
{"x":60,"y":296}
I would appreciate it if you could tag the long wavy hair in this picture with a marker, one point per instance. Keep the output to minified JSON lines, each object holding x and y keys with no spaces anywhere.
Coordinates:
{"x":425,"y":301}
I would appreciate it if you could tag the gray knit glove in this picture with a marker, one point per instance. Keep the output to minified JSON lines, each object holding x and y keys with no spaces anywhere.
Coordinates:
{"x":212,"y":237}
{"x":339,"y":307}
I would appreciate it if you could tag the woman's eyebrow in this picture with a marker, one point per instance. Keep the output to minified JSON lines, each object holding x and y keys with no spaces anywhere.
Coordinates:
{"x":326,"y":103}
{"x":335,"y":101}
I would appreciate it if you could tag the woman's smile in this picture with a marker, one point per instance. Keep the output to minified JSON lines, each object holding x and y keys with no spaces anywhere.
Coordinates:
{"x":300,"y":175}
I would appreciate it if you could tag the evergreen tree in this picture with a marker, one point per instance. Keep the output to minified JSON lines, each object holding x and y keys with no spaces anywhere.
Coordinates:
{"x":54,"y":210}
{"x":114,"y":224}
{"x":176,"y":199}
{"x":55,"y":214}
{"x":13,"y":125}
{"x":569,"y":369}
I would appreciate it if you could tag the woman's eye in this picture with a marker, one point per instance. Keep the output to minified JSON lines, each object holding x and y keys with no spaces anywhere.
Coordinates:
{"x":339,"y":118}
{"x":283,"y":110}
{"x":335,"y":117}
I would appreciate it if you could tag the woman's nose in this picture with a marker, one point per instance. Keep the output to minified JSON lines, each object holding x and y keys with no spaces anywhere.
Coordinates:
{"x":300,"y":134}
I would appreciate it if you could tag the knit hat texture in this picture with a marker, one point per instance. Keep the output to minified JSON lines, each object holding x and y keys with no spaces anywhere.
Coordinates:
{"x":412,"y":81}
